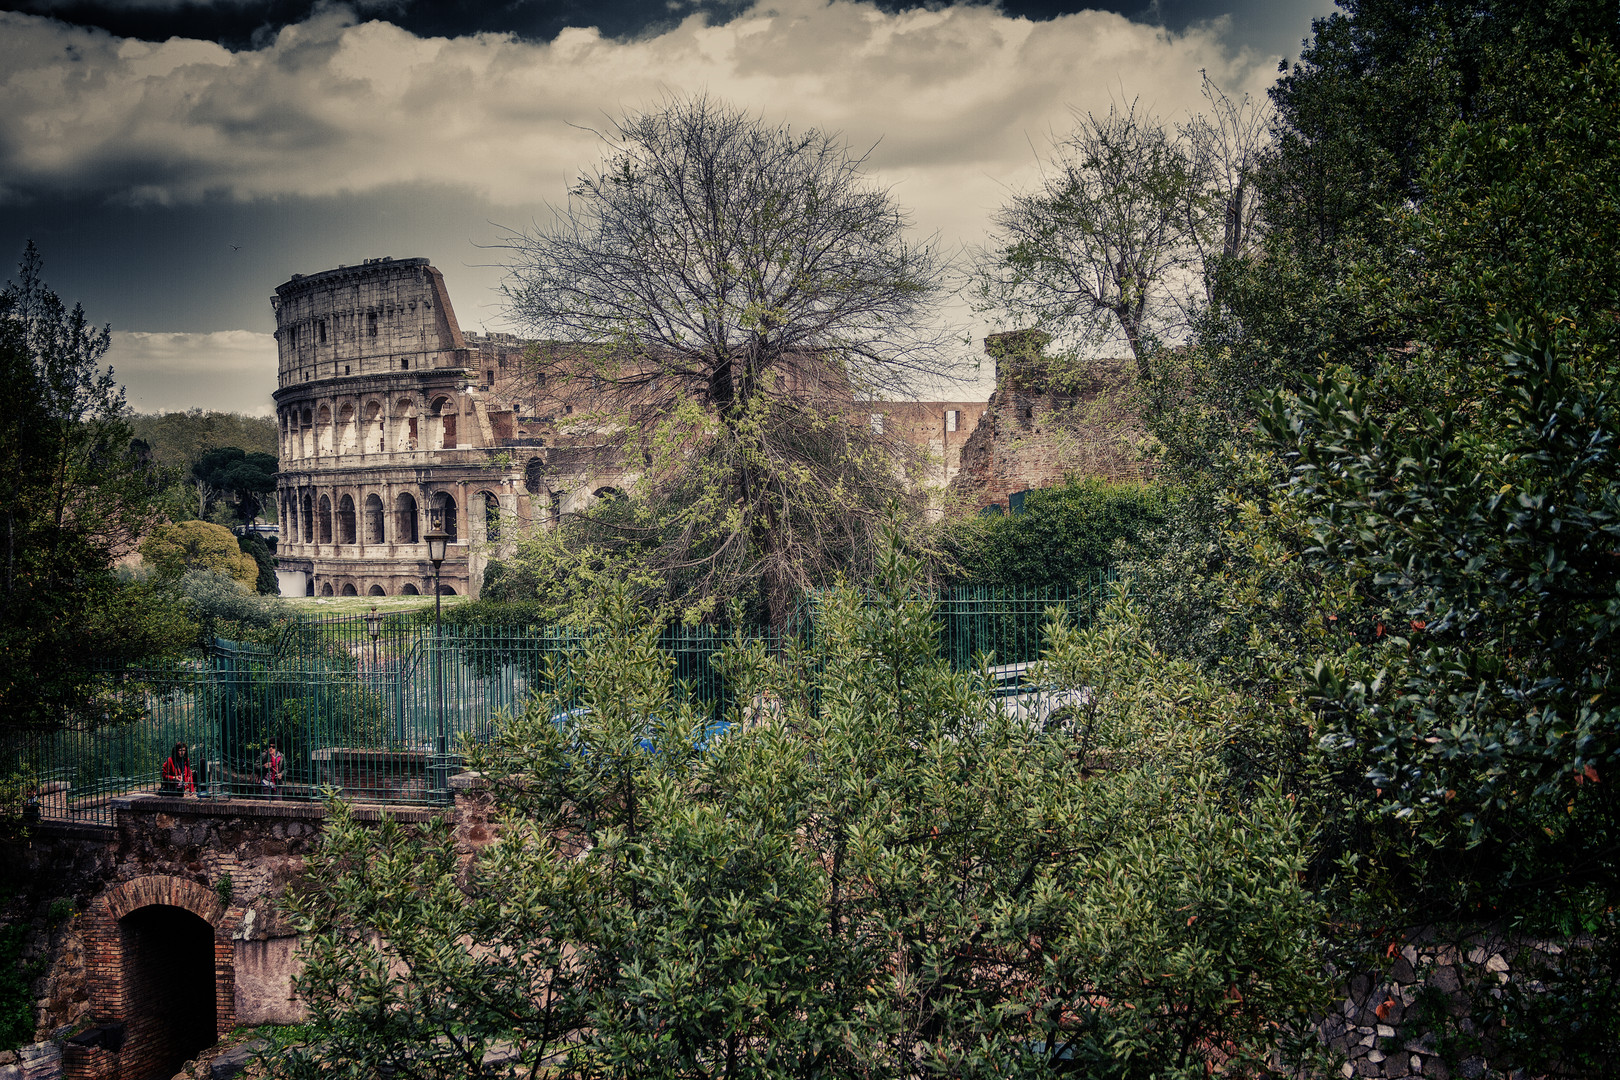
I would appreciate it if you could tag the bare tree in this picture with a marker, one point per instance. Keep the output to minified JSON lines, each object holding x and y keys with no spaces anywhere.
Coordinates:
{"x":1228,"y":143}
{"x":1128,"y":221}
{"x":726,"y":293}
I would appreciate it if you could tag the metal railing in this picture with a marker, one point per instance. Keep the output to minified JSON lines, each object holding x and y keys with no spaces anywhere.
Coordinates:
{"x":352,"y":705}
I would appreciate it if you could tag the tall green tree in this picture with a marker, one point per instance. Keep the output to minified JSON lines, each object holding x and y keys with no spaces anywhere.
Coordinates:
{"x":73,"y":495}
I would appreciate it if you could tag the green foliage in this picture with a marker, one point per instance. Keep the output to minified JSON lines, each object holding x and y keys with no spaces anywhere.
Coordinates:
{"x":221,"y":606}
{"x":1481,"y":703}
{"x":224,"y":888}
{"x":16,"y":986}
{"x":1064,"y":535}
{"x":73,"y":492}
{"x":877,"y":870}
{"x":185,"y":546}
{"x":177,"y":439}
{"x":256,"y":548}
{"x":246,"y":478}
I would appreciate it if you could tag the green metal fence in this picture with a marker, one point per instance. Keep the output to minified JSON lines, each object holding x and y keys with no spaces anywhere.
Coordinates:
{"x":377,"y":708}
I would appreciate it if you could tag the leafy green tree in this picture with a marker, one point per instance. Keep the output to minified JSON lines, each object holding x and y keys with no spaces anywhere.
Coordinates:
{"x":73,"y":495}
{"x":1064,"y":535}
{"x":246,"y":478}
{"x":877,"y":870}
{"x":173,"y":549}
{"x":728,"y":292}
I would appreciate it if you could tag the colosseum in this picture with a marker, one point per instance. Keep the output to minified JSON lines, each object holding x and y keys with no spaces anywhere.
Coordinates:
{"x":392,"y":419}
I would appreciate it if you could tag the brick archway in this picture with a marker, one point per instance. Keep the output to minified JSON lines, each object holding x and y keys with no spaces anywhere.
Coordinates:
{"x":105,"y":938}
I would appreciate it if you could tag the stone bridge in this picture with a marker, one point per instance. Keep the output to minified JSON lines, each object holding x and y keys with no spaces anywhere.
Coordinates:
{"x":160,"y":930}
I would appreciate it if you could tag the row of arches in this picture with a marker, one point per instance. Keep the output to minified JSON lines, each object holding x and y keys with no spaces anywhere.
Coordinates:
{"x":352,"y":588}
{"x":315,"y":519}
{"x":369,"y":427}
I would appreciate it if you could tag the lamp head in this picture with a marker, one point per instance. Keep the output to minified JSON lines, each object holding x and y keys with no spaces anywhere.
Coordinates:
{"x":374,"y":622}
{"x":437,"y":540}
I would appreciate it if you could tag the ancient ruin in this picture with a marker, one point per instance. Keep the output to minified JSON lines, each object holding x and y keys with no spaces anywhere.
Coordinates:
{"x":393,"y":419}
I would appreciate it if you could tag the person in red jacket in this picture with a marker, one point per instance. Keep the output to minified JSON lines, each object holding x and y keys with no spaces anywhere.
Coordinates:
{"x":177,"y":775}
{"x":270,"y":766}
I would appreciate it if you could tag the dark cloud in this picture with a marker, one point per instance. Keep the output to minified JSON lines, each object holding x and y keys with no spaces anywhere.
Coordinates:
{"x":1272,"y":25}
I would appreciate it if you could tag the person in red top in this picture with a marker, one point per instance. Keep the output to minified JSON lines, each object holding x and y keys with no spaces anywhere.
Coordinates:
{"x":270,"y":766}
{"x":177,"y":775}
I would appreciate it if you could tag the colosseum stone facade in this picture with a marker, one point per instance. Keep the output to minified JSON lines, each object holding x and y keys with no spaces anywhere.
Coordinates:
{"x":391,"y":416}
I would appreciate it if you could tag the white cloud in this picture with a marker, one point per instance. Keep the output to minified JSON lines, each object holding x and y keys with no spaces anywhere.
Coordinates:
{"x":229,"y":370}
{"x":954,"y":104}
{"x":952,"y":99}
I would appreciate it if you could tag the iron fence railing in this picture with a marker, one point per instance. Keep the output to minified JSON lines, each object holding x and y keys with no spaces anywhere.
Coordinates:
{"x":376,"y":709}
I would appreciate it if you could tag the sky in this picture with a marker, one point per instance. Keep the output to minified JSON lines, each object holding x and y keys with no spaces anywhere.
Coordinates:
{"x":175,"y":161}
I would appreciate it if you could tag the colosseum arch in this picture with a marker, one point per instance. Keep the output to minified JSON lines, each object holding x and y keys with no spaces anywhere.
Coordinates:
{"x":309,"y":519}
{"x":376,"y":590}
{"x":410,"y":590}
{"x":324,"y":520}
{"x":306,"y":434}
{"x":405,"y":519}
{"x":491,"y":505}
{"x":323,"y":430}
{"x":348,"y":437}
{"x":348,"y":589}
{"x":164,"y":952}
{"x":444,"y":509}
{"x":405,"y":424}
{"x":443,"y":434}
{"x":374,"y":429}
{"x":345,"y":520}
{"x":374,"y":519}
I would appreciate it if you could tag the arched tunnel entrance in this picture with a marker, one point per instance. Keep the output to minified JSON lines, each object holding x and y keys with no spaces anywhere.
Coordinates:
{"x":168,"y":969}
{"x":161,"y":955}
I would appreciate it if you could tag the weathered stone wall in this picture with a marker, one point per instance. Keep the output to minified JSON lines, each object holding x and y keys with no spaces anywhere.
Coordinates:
{"x":171,"y":857}
{"x":1419,"y":1020}
{"x":1039,"y":427}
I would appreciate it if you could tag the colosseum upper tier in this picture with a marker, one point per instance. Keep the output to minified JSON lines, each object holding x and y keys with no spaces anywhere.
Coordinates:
{"x":389,"y":417}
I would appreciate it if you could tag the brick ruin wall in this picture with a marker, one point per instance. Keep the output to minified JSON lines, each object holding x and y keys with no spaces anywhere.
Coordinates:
{"x":1038,"y":428}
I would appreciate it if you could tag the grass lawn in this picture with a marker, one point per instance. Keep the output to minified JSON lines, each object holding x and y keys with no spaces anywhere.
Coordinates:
{"x":359,"y":605}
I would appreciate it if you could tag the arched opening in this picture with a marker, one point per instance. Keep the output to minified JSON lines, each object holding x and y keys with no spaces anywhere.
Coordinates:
{"x":608,"y":493}
{"x":444,"y":418}
{"x":444,"y":509}
{"x":348,"y":430}
{"x":289,"y":514}
{"x":410,"y":590}
{"x":492,"y":518}
{"x":167,"y":961}
{"x":306,"y":434}
{"x":404,"y":425}
{"x":323,"y":430}
{"x":376,"y":590}
{"x":324,"y":520}
{"x":349,"y":589}
{"x":405,"y":518}
{"x":346,"y":520}
{"x":534,"y":476}
{"x":375,"y":431}
{"x":445,"y":590}
{"x":326,"y":590}
{"x":309,"y":521}
{"x":374,"y":519}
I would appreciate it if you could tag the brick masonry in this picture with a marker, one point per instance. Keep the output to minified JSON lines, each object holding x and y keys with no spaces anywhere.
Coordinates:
{"x":135,"y":887}
{"x":1039,"y":428}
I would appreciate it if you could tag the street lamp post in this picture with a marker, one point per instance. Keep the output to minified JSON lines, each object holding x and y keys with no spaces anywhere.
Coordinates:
{"x":437,"y":540}
{"x":374,"y":621}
